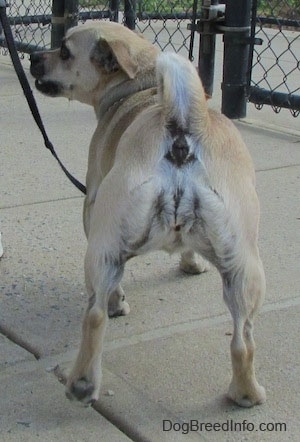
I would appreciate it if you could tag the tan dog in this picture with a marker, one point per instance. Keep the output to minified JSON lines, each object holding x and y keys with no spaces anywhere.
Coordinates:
{"x":164,"y":173}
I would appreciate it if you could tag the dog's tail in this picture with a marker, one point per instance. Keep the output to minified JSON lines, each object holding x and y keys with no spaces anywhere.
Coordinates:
{"x":181,"y":94}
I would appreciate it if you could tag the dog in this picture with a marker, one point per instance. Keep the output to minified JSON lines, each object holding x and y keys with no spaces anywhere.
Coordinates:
{"x":164,"y":173}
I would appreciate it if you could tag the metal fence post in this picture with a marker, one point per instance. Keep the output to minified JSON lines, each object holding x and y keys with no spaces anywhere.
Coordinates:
{"x":130,"y":13}
{"x":114,"y":10}
{"x":58,"y":23}
{"x":236,"y":53}
{"x":64,"y":16}
{"x":206,"y":60}
{"x":71,"y":14}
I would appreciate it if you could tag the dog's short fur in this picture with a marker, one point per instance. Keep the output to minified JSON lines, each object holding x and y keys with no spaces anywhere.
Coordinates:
{"x":164,"y":173}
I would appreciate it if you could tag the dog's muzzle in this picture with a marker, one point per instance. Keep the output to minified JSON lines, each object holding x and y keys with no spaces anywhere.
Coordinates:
{"x":37,"y":66}
{"x":37,"y":70}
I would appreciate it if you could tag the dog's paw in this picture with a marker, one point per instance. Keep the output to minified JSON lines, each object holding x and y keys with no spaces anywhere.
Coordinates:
{"x":193,"y":266}
{"x":255,"y":396}
{"x":82,"y":390}
{"x":122,"y":309}
{"x":117,"y":306}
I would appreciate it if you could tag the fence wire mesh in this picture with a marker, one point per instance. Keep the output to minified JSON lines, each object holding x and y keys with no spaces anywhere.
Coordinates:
{"x":94,"y":9}
{"x":165,"y":22}
{"x":276,"y":63}
{"x":31,"y":23}
{"x":162,"y":21}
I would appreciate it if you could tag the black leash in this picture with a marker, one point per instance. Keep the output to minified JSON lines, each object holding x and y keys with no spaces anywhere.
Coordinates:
{"x":28,"y":92}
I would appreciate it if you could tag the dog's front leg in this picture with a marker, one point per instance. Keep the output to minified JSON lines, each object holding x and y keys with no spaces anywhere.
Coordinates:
{"x":87,"y":212}
{"x":103,"y":274}
{"x":117,"y":306}
{"x":192,"y":263}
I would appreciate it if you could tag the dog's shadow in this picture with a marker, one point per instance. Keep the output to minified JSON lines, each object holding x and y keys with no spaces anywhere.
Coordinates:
{"x":221,"y":410}
{"x":159,"y":272}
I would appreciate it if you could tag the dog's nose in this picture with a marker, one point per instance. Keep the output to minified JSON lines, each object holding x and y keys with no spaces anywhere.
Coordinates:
{"x":37,"y":68}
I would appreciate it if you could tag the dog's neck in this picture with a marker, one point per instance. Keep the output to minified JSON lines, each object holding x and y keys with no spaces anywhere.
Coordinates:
{"x":120,"y":92}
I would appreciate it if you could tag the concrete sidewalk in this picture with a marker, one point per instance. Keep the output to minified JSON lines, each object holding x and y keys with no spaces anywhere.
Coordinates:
{"x":169,"y":359}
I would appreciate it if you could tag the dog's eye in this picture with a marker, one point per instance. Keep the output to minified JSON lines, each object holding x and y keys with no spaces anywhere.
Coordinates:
{"x":64,"y":53}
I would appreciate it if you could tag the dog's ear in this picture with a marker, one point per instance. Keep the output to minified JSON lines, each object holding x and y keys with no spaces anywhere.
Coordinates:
{"x":114,"y":55}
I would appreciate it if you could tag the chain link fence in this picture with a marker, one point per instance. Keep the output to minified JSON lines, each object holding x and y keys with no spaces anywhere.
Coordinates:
{"x":32,"y":20}
{"x":274,"y":66}
{"x":31,"y":24}
{"x":165,"y":22}
{"x":277,"y":70}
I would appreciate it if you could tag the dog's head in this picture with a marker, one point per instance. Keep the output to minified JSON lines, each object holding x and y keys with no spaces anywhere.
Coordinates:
{"x":91,"y":57}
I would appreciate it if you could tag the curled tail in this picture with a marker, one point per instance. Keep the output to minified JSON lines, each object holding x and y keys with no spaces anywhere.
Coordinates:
{"x":184,"y":104}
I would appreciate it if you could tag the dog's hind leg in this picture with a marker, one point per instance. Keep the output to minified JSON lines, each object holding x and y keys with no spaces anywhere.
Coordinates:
{"x":192,"y":263}
{"x":103,"y":273}
{"x":243,"y":292}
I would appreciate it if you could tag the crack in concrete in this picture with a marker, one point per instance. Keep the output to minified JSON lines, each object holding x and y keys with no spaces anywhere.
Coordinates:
{"x":163,"y":332}
{"x":16,"y":339}
{"x":34,"y":203}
